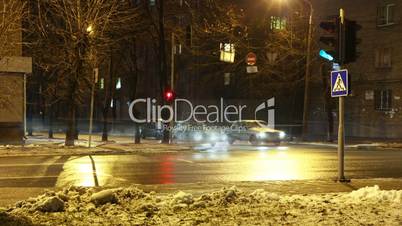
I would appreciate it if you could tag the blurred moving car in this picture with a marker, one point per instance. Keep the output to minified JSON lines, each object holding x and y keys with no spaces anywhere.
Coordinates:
{"x":188,"y":132}
{"x":198,"y":133}
{"x":152,"y":130}
{"x":256,"y":132}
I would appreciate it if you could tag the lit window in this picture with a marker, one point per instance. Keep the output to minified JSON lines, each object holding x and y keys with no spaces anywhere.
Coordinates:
{"x":118,"y":83}
{"x":152,"y":2}
{"x":227,"y":52}
{"x":102,"y":83}
{"x":385,"y":15}
{"x":278,"y":23}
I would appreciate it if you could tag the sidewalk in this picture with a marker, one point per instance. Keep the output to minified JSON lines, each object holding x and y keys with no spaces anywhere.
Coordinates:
{"x":281,"y":187}
{"x":41,"y":145}
{"x":354,"y":145}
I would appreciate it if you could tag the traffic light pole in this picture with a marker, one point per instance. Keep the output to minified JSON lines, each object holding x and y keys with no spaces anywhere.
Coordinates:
{"x":341,"y":140}
{"x":341,"y":126}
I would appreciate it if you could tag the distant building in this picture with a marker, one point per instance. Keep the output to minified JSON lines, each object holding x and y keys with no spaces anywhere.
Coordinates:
{"x":374,"y":110}
{"x":12,"y":69}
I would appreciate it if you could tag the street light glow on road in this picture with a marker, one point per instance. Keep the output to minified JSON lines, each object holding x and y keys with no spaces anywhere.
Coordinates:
{"x":275,"y":166}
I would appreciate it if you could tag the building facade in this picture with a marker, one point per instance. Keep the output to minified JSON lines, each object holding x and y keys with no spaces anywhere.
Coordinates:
{"x":12,"y":69}
{"x":374,"y":109}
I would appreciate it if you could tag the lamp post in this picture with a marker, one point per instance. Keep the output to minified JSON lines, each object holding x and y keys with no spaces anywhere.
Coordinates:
{"x":94,"y":80}
{"x":307,"y":72}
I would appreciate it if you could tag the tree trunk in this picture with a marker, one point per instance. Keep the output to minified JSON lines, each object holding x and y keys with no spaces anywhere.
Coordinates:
{"x":104,"y":129}
{"x":70,"y":135}
{"x":76,"y":131}
{"x":72,"y":101}
{"x":51,"y":118}
{"x":29,"y":119}
{"x":134,"y":82}
{"x":107,"y":100}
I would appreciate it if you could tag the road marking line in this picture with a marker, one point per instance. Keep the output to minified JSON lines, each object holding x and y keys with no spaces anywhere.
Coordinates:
{"x":32,"y":164}
{"x":26,"y":177}
{"x":183,"y":160}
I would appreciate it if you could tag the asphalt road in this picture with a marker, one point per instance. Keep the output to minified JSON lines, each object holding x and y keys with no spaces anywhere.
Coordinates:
{"x":219,"y":164}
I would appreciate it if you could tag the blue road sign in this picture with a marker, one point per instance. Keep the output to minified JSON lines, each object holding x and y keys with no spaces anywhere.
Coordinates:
{"x":339,"y":83}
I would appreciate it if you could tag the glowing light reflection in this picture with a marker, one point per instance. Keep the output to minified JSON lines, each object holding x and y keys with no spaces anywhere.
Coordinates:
{"x":275,"y":166}
{"x":79,"y":172}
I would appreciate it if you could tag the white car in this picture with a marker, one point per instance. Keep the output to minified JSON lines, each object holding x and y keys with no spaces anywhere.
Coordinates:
{"x":256,"y":132}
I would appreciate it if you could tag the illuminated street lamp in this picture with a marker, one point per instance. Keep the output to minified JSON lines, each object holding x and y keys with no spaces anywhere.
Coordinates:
{"x":90,"y":30}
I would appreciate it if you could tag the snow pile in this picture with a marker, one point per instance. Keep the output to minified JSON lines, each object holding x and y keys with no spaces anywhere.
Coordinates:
{"x":375,"y":194}
{"x":103,"y":197}
{"x":228,"y":206}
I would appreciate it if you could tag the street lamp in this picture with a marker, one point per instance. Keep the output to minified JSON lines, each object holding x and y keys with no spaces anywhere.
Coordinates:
{"x":90,"y":32}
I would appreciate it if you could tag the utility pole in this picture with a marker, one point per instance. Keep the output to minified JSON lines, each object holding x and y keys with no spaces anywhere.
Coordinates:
{"x":172,"y":62}
{"x":172,"y":80}
{"x":307,"y":73}
{"x":25,"y":106}
{"x":91,"y":114}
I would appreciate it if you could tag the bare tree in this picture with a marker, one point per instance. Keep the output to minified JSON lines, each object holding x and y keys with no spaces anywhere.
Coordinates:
{"x":11,"y":14}
{"x":75,"y":36}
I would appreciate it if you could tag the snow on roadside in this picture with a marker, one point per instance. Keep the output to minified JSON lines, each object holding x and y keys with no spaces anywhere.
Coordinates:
{"x":228,"y":206}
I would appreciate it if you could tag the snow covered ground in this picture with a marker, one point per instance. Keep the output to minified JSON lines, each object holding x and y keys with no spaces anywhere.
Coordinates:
{"x":56,"y":147}
{"x":228,"y":206}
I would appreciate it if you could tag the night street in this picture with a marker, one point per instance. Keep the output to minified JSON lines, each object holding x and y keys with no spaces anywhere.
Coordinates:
{"x":220,"y":164}
{"x":191,"y":112}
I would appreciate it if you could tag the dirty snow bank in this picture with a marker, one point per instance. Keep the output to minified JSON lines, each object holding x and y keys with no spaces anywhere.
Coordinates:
{"x":229,"y":206}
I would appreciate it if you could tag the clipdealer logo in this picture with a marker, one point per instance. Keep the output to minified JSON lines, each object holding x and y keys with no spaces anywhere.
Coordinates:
{"x":197,"y":113}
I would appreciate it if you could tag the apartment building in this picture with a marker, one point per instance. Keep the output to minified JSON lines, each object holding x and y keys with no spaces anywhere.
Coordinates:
{"x":374,"y":109}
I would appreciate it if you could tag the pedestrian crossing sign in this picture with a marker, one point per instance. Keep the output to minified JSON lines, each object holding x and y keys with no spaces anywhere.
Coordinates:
{"x":339,"y":83}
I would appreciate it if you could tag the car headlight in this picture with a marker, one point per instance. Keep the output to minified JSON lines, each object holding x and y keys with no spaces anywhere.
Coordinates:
{"x":197,"y":137}
{"x":261,"y":135}
{"x":213,"y":137}
{"x":282,"y":135}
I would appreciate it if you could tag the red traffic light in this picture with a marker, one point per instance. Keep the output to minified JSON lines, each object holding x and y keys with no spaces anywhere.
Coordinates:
{"x":169,"y":95}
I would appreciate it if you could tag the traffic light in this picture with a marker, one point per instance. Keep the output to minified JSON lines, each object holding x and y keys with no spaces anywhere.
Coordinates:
{"x":331,"y":38}
{"x":169,"y":95}
{"x":351,"y":41}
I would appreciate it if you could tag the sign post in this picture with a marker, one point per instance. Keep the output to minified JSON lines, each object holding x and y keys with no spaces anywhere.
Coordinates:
{"x":340,"y":89}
